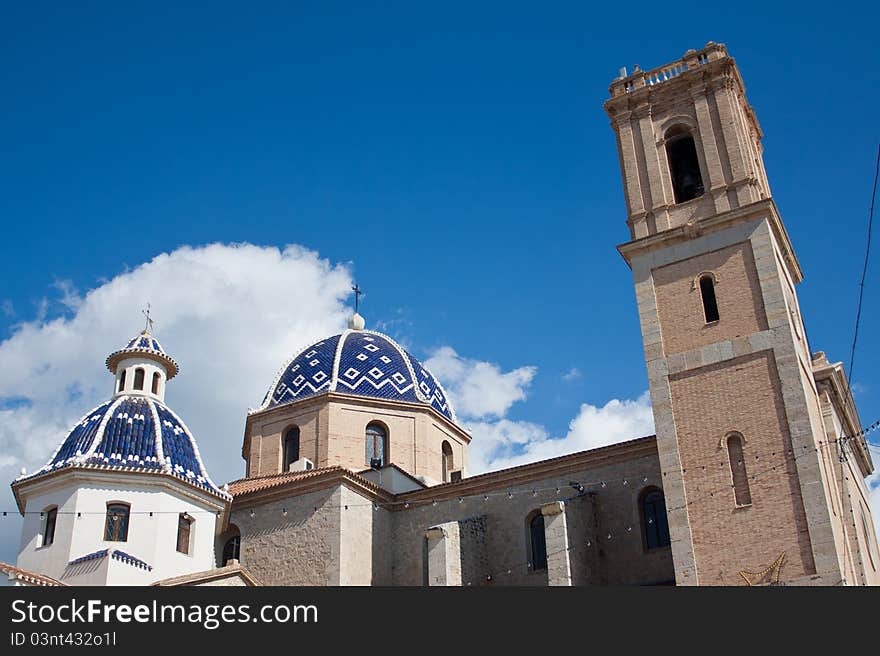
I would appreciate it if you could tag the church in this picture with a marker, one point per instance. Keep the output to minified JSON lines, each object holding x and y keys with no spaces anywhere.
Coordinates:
{"x":356,"y":467}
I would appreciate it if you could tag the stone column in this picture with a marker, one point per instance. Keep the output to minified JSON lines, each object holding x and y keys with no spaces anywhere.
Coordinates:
{"x":444,"y":554}
{"x":556,"y":538}
{"x":715,"y":183}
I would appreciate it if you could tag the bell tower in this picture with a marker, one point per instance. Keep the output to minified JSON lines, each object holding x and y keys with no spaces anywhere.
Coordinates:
{"x":743,"y":451}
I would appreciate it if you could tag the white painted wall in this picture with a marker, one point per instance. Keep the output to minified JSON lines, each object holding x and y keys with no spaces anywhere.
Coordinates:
{"x":128,"y":365}
{"x":150,"y":539}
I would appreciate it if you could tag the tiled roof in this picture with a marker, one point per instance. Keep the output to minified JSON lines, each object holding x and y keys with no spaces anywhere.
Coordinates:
{"x":360,"y":363}
{"x":130,"y":560}
{"x":230,"y":570}
{"x":92,"y":556}
{"x":247,"y":486}
{"x":29,"y":578}
{"x":113,"y":553}
{"x":132,"y":433}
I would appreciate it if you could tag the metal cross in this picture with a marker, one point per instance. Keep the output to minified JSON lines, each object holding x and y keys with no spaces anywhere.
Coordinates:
{"x":149,"y":327}
{"x":357,"y":296}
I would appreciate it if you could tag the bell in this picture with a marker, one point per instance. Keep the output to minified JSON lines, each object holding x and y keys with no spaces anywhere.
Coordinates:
{"x":691,"y":184}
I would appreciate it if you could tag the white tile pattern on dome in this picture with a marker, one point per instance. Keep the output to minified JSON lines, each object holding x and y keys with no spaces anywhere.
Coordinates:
{"x":132,"y":433}
{"x":358,"y":362}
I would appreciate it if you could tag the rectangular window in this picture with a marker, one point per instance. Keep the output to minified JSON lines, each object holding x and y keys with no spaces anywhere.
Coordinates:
{"x":49,"y":527}
{"x":116,"y":528}
{"x":184,"y":526}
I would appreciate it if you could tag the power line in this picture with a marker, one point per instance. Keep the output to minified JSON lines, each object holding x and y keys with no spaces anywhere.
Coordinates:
{"x":852,"y":355}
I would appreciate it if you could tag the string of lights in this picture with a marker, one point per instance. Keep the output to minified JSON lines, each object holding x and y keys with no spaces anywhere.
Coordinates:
{"x":582,"y":488}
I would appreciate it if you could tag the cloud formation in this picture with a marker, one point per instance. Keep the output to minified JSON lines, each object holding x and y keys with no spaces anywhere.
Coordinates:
{"x":507,"y":443}
{"x":479,"y":389}
{"x":230,"y":314}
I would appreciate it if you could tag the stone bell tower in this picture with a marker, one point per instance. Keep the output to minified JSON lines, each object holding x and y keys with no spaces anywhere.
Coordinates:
{"x":742,"y":447}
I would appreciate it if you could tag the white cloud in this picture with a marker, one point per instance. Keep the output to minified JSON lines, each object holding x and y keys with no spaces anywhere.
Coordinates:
{"x":506,"y":444}
{"x":230,"y":314}
{"x":483,"y":394}
{"x":572,"y":374}
{"x":478,"y":389}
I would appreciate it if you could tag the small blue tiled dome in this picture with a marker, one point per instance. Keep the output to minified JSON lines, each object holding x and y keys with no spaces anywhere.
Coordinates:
{"x":132,"y":433}
{"x":361,"y":363}
{"x":144,"y":345}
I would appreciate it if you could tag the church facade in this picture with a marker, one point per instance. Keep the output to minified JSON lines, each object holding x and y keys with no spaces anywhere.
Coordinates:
{"x":356,"y":466}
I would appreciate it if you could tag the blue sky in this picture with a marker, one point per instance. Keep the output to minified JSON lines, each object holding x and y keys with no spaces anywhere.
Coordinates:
{"x":454,"y":158}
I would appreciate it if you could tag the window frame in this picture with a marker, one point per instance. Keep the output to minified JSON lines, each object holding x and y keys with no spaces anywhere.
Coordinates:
{"x":663,"y":539}
{"x":676,"y":133}
{"x":385,"y":433}
{"x":291,"y":434}
{"x":185,"y":524}
{"x":50,"y":520}
{"x":742,"y":498}
{"x":447,"y":461}
{"x":224,"y":561}
{"x":139,"y":378}
{"x":127,"y":523}
{"x":709,"y":300}
{"x":539,"y":562}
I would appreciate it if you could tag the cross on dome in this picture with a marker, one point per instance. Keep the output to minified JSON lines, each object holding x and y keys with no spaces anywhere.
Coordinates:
{"x":148,"y":328}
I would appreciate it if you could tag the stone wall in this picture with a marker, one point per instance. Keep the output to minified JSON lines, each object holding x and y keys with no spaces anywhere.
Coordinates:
{"x":501,"y":532}
{"x":299,"y":548}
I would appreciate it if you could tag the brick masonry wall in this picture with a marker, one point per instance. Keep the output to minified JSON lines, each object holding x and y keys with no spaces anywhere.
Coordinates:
{"x":744,"y":396}
{"x":680,"y":305}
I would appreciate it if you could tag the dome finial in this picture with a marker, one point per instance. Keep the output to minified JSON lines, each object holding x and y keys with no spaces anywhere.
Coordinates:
{"x":357,"y":321}
{"x":148,"y":328}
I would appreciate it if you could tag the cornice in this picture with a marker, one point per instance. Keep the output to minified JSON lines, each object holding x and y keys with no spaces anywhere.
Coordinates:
{"x":523,"y":474}
{"x":760,"y":209}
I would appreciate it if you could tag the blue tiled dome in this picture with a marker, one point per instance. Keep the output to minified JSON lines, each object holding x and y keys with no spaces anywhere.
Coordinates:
{"x":132,"y":433}
{"x":361,"y":363}
{"x":144,"y":345}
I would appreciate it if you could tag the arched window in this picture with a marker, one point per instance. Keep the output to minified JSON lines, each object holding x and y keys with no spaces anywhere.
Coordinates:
{"x":654,"y":521}
{"x":122,"y":381}
{"x":291,"y":448}
{"x":537,"y":542}
{"x":376,"y":444}
{"x":707,"y":293}
{"x":156,"y":378}
{"x":232,"y":549}
{"x":737,"y":461}
{"x":139,"y":379}
{"x":116,"y":527}
{"x":447,"y":460}
{"x":50,"y":516}
{"x":684,"y":166}
{"x":184,"y":531}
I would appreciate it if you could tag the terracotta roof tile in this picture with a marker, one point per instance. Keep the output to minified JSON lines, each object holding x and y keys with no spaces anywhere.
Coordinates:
{"x":232,"y":569}
{"x":245,"y":486}
{"x":29,"y":578}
